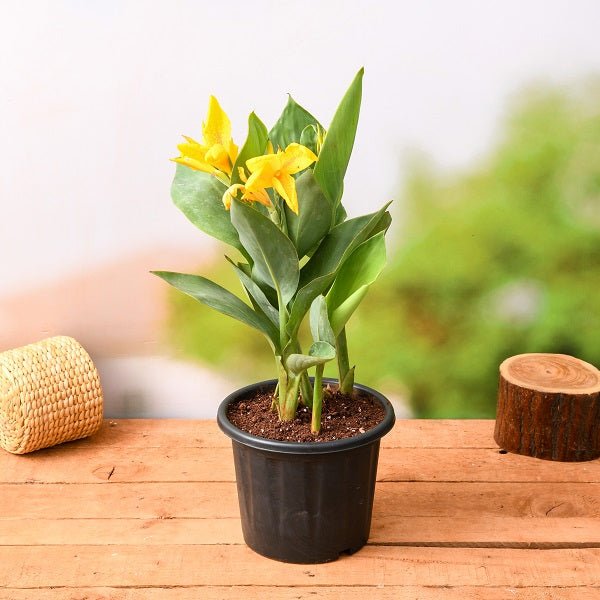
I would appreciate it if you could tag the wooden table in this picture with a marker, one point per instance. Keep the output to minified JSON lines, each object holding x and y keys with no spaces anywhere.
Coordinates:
{"x":147,"y":510}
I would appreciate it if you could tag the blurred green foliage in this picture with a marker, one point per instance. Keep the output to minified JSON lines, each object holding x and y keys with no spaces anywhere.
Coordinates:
{"x":500,"y":260}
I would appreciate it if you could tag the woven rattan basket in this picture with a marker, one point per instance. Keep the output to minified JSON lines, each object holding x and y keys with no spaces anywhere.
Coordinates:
{"x":49,"y":393}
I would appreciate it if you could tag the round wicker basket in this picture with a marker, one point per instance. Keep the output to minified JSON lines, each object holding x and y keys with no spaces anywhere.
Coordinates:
{"x":49,"y":393}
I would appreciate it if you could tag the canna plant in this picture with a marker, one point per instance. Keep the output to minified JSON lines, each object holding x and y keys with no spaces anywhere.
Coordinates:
{"x":278,"y":202}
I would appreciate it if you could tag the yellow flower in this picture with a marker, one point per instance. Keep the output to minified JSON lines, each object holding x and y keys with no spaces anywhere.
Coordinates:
{"x":276,"y":170}
{"x":217,"y":153}
{"x":258,"y":195}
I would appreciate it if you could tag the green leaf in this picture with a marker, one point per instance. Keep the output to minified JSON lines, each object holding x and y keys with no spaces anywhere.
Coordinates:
{"x":337,"y":147}
{"x":213,"y":295}
{"x":319,"y":322}
{"x":255,"y":145}
{"x":256,"y":294}
{"x":275,"y":258}
{"x":340,"y":214}
{"x":304,"y":299}
{"x":319,"y":273}
{"x":339,"y":243}
{"x":318,"y":354}
{"x":308,"y":138}
{"x":361,"y":269}
{"x":340,"y":316}
{"x":199,"y":196}
{"x":311,"y":224}
{"x":353,"y":280}
{"x":290,"y":125}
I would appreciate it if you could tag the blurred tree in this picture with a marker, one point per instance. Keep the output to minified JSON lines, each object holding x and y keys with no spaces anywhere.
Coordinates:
{"x":500,"y":260}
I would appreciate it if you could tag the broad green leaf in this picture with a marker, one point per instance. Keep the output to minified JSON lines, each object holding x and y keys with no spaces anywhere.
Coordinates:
{"x":213,"y":295}
{"x":275,"y":258}
{"x":331,"y":254}
{"x":311,"y":224}
{"x":340,"y":214}
{"x":255,"y":145}
{"x":318,"y":354}
{"x":308,"y":138}
{"x":304,"y":299}
{"x":339,"y":243}
{"x":337,"y":147}
{"x":361,"y":269}
{"x":340,"y":316}
{"x":256,"y":294}
{"x":382,"y":225}
{"x":199,"y":196}
{"x":290,"y":125}
{"x":319,"y":322}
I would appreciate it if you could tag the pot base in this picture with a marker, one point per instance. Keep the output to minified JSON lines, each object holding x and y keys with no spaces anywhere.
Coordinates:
{"x":306,"y":508}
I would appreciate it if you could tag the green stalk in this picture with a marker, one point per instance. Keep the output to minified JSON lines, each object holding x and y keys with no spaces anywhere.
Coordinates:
{"x":288,"y":412}
{"x":305,"y":385}
{"x":282,"y":372}
{"x":346,"y":383}
{"x":317,"y":400}
{"x":282,"y":382}
{"x":307,"y":390}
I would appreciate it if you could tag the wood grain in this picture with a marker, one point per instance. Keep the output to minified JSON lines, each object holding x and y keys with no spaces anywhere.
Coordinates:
{"x":48,"y":566}
{"x":263,"y":592}
{"x":197,"y":500}
{"x":148,"y":510}
{"x":474,"y":532}
{"x":549,"y":407}
{"x":86,"y":464}
{"x":188,"y":433}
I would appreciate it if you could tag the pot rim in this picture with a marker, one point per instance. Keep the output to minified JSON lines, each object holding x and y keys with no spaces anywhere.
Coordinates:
{"x":268,"y":445}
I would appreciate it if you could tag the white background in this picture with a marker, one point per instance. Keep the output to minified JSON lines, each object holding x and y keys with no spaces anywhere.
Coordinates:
{"x":95,"y":94}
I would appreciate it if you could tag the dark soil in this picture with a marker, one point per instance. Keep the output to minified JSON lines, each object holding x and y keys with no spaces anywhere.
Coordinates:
{"x":343,"y":416}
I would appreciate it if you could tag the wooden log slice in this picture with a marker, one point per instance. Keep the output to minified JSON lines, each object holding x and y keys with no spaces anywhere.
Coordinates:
{"x":549,"y":407}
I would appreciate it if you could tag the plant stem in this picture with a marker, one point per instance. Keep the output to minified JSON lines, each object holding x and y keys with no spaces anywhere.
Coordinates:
{"x":307,"y":390}
{"x":282,"y":381}
{"x":343,"y":361}
{"x":317,"y":400}
{"x":288,"y":412}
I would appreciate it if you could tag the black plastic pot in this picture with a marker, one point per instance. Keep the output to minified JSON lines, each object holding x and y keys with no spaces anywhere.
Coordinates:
{"x":305,"y":502}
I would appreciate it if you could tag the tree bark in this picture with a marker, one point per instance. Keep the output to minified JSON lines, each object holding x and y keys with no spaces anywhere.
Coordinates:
{"x":549,"y":407}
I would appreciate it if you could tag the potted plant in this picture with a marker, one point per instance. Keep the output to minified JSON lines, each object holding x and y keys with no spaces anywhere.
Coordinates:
{"x":305,"y":488}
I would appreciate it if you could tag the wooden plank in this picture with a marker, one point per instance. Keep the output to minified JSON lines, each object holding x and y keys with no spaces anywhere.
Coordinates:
{"x":484,"y":465}
{"x":474,"y":532}
{"x":407,"y":433}
{"x":118,"y":532}
{"x":71,"y":566}
{"x":90,"y":464}
{"x":388,"y":592}
{"x":482,"y":531}
{"x":215,"y":500}
{"x":158,"y":433}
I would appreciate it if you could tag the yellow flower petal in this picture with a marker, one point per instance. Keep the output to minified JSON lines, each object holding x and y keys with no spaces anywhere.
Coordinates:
{"x":242,"y":174}
{"x":273,"y":161}
{"x":260,"y":196}
{"x":296,"y":158}
{"x":231,"y":193}
{"x":197,"y":165}
{"x":285,"y":186}
{"x":192,"y":149}
{"x":232,"y":150}
{"x":217,"y":129}
{"x":262,"y":177}
{"x":217,"y":156}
